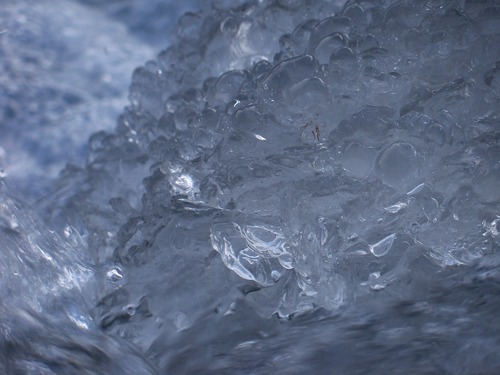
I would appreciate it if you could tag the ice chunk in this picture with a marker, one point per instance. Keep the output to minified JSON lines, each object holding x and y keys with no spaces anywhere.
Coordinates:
{"x":114,"y":274}
{"x":396,"y":207}
{"x":382,"y":247}
{"x":344,"y":59}
{"x":329,"y":26}
{"x":290,"y":72}
{"x":399,"y":164}
{"x":357,"y":159}
{"x":369,"y":125}
{"x":327,"y":45}
{"x":252,"y":251}
{"x":309,"y":95}
{"x":314,"y":147}
{"x":227,"y":87}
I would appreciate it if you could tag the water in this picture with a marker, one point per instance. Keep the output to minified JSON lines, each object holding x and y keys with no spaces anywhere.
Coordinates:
{"x":319,"y":195}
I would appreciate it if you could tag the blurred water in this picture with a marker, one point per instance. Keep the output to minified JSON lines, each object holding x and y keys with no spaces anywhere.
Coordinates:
{"x":294,"y":186}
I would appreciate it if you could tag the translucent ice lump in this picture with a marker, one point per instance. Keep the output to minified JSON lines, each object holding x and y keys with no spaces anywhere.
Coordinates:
{"x":317,"y":152}
{"x":291,"y":155}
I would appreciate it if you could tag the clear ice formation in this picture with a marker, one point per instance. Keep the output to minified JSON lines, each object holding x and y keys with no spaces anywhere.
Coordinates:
{"x":295,"y":186}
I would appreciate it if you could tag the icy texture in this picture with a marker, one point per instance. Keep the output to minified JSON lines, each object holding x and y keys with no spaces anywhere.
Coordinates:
{"x":301,"y":186}
{"x":46,"y":294}
{"x":295,"y":162}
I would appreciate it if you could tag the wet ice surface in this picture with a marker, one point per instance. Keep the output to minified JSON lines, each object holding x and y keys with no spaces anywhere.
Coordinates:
{"x":294,"y":187}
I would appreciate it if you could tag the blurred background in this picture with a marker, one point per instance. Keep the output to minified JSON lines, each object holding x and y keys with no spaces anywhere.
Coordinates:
{"x":65,"y":69}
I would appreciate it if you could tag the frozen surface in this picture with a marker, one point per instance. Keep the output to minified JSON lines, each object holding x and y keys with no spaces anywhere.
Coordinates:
{"x":295,"y":186}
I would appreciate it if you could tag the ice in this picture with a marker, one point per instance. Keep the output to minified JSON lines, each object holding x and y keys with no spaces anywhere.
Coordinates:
{"x":399,"y":163}
{"x":254,"y":252}
{"x":382,"y":247}
{"x":324,"y":48}
{"x":294,"y":187}
{"x":357,"y":159}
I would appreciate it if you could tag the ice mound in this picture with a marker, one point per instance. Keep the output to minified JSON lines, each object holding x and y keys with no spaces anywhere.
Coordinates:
{"x":300,"y":186}
{"x":322,"y":166}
